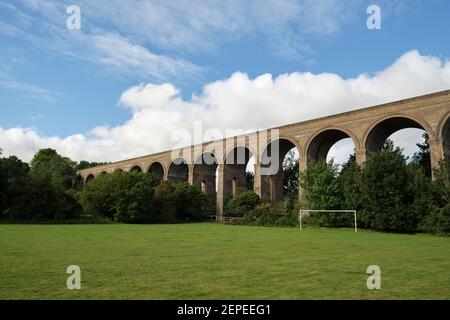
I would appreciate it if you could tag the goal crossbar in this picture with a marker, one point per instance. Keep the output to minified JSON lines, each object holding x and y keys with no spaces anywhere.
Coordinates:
{"x":300,"y":214}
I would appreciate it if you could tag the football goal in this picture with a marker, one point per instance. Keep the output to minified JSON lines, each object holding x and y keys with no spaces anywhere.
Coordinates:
{"x":304,"y":212}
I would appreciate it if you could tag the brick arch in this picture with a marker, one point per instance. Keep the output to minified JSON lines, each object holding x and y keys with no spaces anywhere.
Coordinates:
{"x":136,"y":166}
{"x":445,"y":120}
{"x":178,"y":169}
{"x":443,"y":134}
{"x":272,"y":167}
{"x":393,"y":123}
{"x":157,"y":162}
{"x":287,"y":138}
{"x":335,"y":134}
{"x":253,"y":153}
{"x":204,"y":173}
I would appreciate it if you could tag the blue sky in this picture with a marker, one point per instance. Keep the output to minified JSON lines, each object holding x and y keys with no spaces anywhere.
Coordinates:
{"x":69,"y":85}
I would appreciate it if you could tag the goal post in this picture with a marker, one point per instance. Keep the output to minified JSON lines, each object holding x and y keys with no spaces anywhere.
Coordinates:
{"x":303,"y":211}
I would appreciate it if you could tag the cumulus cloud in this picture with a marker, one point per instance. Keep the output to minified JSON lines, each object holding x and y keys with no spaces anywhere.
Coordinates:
{"x":238,"y":102}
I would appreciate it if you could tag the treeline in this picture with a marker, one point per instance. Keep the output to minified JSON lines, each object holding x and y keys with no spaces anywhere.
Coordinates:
{"x":40,"y":191}
{"x":136,"y":197}
{"x":46,"y":190}
{"x":389,"y":193}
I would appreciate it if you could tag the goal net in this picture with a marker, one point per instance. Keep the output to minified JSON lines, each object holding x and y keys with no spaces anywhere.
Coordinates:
{"x":304,"y":212}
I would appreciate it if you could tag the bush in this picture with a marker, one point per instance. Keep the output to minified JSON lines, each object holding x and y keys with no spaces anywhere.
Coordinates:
{"x":135,"y":204}
{"x":320,"y":186}
{"x":181,"y":202}
{"x":34,"y":198}
{"x":394,"y":195}
{"x":245,"y":202}
{"x":438,"y":222}
{"x":122,"y":197}
{"x":284,"y":213}
{"x":323,"y":191}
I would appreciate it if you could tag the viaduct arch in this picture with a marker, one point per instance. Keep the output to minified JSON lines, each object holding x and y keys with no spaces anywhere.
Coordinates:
{"x":218,"y":167}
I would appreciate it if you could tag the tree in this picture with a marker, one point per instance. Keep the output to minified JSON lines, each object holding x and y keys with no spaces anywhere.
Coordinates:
{"x":320,"y":185}
{"x":86,"y":164}
{"x":36,"y":199}
{"x":244,"y":202}
{"x":439,"y":220}
{"x":13,"y":173}
{"x":389,"y":190}
{"x":180,"y":201}
{"x":60,"y":170}
{"x":422,"y":158}
{"x":442,"y":181}
{"x":322,"y":191}
{"x":119,"y":196}
{"x":250,"y":178}
{"x":100,"y":196}
{"x":349,"y":181}
{"x":290,"y":174}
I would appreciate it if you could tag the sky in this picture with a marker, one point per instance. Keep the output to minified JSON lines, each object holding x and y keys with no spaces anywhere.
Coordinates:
{"x":137,"y":72}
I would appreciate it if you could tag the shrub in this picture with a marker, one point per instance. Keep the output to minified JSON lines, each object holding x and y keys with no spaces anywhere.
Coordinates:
{"x":245,"y":201}
{"x":122,"y":197}
{"x":283,"y":213}
{"x":320,"y":186}
{"x":35,"y":198}
{"x":135,"y":203}
{"x":438,"y":222}
{"x":181,"y":201}
{"x":322,"y":190}
{"x":391,"y":193}
{"x":99,"y":197}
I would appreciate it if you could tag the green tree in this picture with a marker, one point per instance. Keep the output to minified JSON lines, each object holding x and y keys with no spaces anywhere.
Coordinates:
{"x":123,"y":197}
{"x":250,"y":178}
{"x":322,"y":190}
{"x":422,"y":158}
{"x":439,"y":220}
{"x":290,"y":174}
{"x":181,"y":201}
{"x":36,"y":199}
{"x":60,"y":170}
{"x":86,"y":164}
{"x":13,"y":174}
{"x":349,"y":181}
{"x":320,"y":185}
{"x":244,"y":202}
{"x":389,"y":189}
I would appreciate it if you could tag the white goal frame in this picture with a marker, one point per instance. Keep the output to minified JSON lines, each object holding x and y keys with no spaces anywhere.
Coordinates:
{"x":300,"y":214}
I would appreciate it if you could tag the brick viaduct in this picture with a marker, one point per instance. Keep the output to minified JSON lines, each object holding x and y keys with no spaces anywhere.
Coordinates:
{"x":227,"y":158}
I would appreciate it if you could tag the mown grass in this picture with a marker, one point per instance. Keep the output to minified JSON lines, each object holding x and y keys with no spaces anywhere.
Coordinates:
{"x":211,"y":261}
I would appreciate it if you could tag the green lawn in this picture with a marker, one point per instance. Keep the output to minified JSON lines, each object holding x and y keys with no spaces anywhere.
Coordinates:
{"x":211,"y":261}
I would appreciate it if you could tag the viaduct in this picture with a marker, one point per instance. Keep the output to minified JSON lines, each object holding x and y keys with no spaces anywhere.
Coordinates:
{"x":227,"y":158}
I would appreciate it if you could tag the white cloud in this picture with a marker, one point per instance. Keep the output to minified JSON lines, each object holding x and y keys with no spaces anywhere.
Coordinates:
{"x":110,"y":51}
{"x":237,"y":102}
{"x":209,"y":25}
{"x":284,"y":26}
{"x":120,"y":55}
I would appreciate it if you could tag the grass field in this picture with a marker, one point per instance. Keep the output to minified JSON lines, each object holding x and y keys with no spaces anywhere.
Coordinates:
{"x":211,"y":261}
